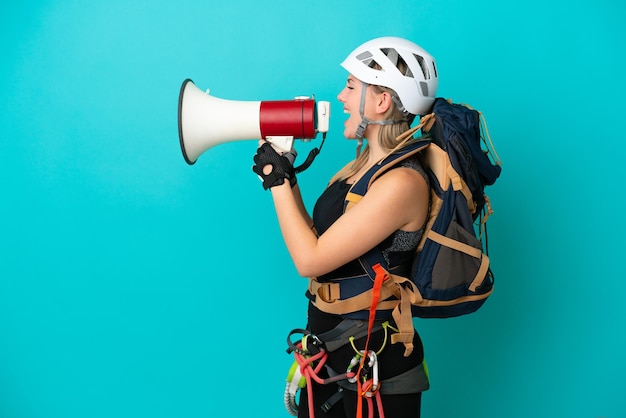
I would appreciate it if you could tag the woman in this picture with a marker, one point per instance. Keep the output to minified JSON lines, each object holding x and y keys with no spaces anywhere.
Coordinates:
{"x":390,"y":81}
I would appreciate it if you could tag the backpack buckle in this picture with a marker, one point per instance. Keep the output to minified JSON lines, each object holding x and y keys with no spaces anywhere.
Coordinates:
{"x":329,"y":292}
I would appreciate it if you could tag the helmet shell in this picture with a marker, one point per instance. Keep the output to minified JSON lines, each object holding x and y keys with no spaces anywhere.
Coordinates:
{"x":416,"y":89}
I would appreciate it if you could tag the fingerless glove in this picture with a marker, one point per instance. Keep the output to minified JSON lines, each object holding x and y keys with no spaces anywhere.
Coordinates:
{"x":282,"y":166}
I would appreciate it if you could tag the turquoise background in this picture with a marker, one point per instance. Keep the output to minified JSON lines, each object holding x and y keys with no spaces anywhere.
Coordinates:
{"x":134,"y":285}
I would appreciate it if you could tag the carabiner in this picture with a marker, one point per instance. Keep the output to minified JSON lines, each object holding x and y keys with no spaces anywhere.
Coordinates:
{"x":354,"y":362}
{"x":372,"y":385}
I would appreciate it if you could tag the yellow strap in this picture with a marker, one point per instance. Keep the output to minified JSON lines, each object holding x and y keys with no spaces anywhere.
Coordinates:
{"x":353,"y":198}
{"x":489,"y":211}
{"x":426,"y":303}
{"x":487,"y":140}
{"x":328,"y":292}
{"x":471,"y":204}
{"x":467,"y":249}
{"x":484,"y":129}
{"x":426,"y":123}
{"x":438,"y":162}
{"x":480,"y":275}
{"x":401,"y":288}
{"x":457,"y":182}
{"x":403,"y":317}
{"x":327,"y":298}
{"x":454,"y":244}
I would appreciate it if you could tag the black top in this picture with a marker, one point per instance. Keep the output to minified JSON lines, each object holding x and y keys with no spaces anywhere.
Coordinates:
{"x":398,"y":249}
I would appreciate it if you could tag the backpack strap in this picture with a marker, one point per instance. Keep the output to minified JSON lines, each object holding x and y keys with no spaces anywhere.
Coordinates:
{"x":360,"y":187}
{"x":406,"y":295}
{"x":374,"y":258}
{"x":355,"y":294}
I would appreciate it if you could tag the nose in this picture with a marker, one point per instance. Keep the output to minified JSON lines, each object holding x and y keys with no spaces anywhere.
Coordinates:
{"x":341,"y":95}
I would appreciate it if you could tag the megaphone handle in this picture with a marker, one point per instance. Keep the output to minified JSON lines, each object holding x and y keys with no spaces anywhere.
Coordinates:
{"x":282,"y":143}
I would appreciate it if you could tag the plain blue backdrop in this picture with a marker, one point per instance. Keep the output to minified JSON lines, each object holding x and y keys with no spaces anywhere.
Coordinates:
{"x":134,"y":285}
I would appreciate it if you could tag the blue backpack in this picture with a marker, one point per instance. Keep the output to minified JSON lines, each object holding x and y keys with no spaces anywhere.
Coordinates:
{"x":450,"y":274}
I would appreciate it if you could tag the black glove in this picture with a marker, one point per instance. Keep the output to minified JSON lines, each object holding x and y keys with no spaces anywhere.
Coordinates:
{"x":282,"y":166}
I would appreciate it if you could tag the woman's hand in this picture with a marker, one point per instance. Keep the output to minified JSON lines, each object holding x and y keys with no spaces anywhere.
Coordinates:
{"x":273,"y":168}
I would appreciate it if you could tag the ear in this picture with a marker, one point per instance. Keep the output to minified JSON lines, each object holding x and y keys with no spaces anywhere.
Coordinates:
{"x":383,"y":102}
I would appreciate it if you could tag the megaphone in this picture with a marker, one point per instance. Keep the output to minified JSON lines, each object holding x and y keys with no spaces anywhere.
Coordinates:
{"x":205,"y":121}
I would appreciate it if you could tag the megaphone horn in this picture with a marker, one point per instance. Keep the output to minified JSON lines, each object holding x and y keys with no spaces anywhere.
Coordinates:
{"x":205,"y":121}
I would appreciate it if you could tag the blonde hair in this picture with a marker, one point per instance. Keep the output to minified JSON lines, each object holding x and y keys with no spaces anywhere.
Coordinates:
{"x":388,"y":135}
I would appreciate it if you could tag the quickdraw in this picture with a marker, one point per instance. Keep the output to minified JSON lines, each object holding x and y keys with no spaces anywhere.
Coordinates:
{"x":310,"y":358}
{"x":368,"y":382}
{"x":307,"y":366}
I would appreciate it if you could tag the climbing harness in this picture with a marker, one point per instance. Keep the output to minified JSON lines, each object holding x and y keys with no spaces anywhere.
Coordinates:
{"x":311,"y":355}
{"x":307,"y":352}
{"x":310,"y":358}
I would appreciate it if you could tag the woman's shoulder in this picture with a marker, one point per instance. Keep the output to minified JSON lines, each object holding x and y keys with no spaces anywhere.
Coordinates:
{"x":406,"y":178}
{"x":414,"y":163}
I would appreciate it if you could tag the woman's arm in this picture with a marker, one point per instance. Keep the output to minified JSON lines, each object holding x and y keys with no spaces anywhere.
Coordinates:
{"x":298,"y":197}
{"x":396,"y":200}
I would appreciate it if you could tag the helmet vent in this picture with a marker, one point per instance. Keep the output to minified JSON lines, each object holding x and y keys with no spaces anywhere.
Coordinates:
{"x":366,"y":58}
{"x":424,"y":88}
{"x":397,"y":60}
{"x":423,"y":66}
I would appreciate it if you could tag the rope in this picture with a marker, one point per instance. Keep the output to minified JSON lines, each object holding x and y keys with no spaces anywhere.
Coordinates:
{"x":310,"y":364}
{"x":381,"y":276}
{"x":310,"y":371}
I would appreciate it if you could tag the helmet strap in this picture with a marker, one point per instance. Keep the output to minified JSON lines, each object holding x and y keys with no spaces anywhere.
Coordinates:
{"x":406,"y":115}
{"x":360,"y":131}
{"x":359,"y":146}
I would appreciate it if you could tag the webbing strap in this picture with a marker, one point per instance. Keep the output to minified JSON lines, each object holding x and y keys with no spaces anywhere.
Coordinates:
{"x":414,"y":380}
{"x":482,"y":272}
{"x":351,"y":200}
{"x":467,"y":249}
{"x":398,"y":154}
{"x":337,"y":337}
{"x":469,"y":198}
{"x":455,"y":179}
{"x":404,"y":320}
{"x":344,"y":306}
{"x":381,"y":277}
{"x":360,"y":302}
{"x":406,"y":292}
{"x":454,"y":244}
{"x":396,"y":294}
{"x":428,"y":303}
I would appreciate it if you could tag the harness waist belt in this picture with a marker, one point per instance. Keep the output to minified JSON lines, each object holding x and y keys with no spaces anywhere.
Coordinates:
{"x":325,"y":294}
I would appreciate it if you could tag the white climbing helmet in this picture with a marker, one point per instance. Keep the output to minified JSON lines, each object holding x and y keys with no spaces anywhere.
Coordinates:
{"x":416,"y":89}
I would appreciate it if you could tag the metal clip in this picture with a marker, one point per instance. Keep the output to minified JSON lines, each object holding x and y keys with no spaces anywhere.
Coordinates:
{"x":371,"y":386}
{"x":354,"y":362}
